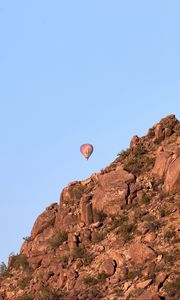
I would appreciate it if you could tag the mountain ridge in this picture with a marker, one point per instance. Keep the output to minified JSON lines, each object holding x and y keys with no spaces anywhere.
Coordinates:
{"x":115,"y":235}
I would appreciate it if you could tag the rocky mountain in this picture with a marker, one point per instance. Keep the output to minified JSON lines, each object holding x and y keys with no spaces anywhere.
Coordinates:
{"x":113,"y":236}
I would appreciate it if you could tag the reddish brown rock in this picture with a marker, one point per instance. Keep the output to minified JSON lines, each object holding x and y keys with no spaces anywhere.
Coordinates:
{"x":108,"y":267}
{"x":86,"y":236}
{"x":71,"y":241}
{"x":35,"y":261}
{"x":62,"y":279}
{"x":167,"y":132}
{"x":159,"y":132}
{"x":167,"y":165}
{"x":178,"y":140}
{"x":161,"y":163}
{"x":140,"y":253}
{"x":44,"y":220}
{"x":172,"y":180}
{"x":149,"y":237}
{"x":135,"y":141}
{"x":112,"y":191}
{"x":118,"y":243}
{"x":143,"y":284}
{"x":70,"y":220}
{"x":161,"y":277}
{"x":125,"y":253}
{"x":150,"y":294}
{"x":71,"y":279}
{"x":86,"y":210}
{"x":47,"y":259}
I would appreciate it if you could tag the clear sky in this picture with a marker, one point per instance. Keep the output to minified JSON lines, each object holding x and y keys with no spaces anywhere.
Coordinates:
{"x":74,"y":72}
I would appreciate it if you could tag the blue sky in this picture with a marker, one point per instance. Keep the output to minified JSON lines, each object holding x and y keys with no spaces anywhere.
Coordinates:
{"x":74,"y":72}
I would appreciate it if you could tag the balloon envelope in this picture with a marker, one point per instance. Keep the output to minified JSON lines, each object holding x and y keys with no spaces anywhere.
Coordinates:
{"x":86,"y":150}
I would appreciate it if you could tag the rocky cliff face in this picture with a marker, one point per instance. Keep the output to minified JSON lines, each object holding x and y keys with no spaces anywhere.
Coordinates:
{"x":113,"y":236}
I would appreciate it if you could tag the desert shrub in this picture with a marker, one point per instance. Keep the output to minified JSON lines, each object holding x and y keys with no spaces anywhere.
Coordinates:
{"x":24,"y":282}
{"x":27,"y":238}
{"x":145,"y":199}
{"x":138,"y":161}
{"x":52,"y":221}
{"x":173,"y":289}
{"x":178,"y":133}
{"x":151,"y":222}
{"x":126,"y":230}
{"x":90,"y":280}
{"x":118,"y":292}
{"x":129,"y":206}
{"x":171,"y":124}
{"x":64,"y":259}
{"x":91,"y":293}
{"x":20,"y":260}
{"x":25,"y":297}
{"x":101,"y":276}
{"x":152,"y":272}
{"x":122,"y":226}
{"x":118,"y":221}
{"x":94,"y":293}
{"x":97,"y":237}
{"x":109,"y":169}
{"x":3,"y":268}
{"x":124,"y":153}
{"x":81,"y":252}
{"x":99,"y":215}
{"x":88,"y":259}
{"x":158,"y":141}
{"x":48,"y":293}
{"x":139,"y":150}
{"x":76,"y":192}
{"x":69,"y":202}
{"x":133,"y":165}
{"x":58,"y":239}
{"x":139,"y":214}
{"x":133,"y":272}
{"x":163,"y":212}
{"x":168,"y":235}
{"x":151,"y":133}
{"x":4,"y":272}
{"x":171,"y":258}
{"x":152,"y":226}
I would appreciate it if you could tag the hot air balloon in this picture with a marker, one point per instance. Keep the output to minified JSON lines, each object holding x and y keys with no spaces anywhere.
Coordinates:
{"x":86,"y":150}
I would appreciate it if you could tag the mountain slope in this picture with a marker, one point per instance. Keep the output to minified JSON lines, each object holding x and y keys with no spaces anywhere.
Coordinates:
{"x":113,"y":236}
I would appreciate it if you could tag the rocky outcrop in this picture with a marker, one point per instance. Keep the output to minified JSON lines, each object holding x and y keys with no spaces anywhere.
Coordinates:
{"x":44,"y":220}
{"x":112,"y":191}
{"x":167,"y":166}
{"x":115,"y":235}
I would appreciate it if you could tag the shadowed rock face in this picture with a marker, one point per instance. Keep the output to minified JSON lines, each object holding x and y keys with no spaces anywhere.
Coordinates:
{"x":115,"y":235}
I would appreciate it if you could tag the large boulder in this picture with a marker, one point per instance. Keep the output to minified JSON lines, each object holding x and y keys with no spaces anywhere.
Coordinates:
{"x":172,"y":179}
{"x":108,"y":267}
{"x":140,"y":253}
{"x":167,"y":166}
{"x":44,"y":220}
{"x":86,"y":210}
{"x":161,"y":164}
{"x":112,"y":191}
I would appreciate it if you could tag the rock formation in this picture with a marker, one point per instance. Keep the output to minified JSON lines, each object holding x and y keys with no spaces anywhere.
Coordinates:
{"x":113,"y":236}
